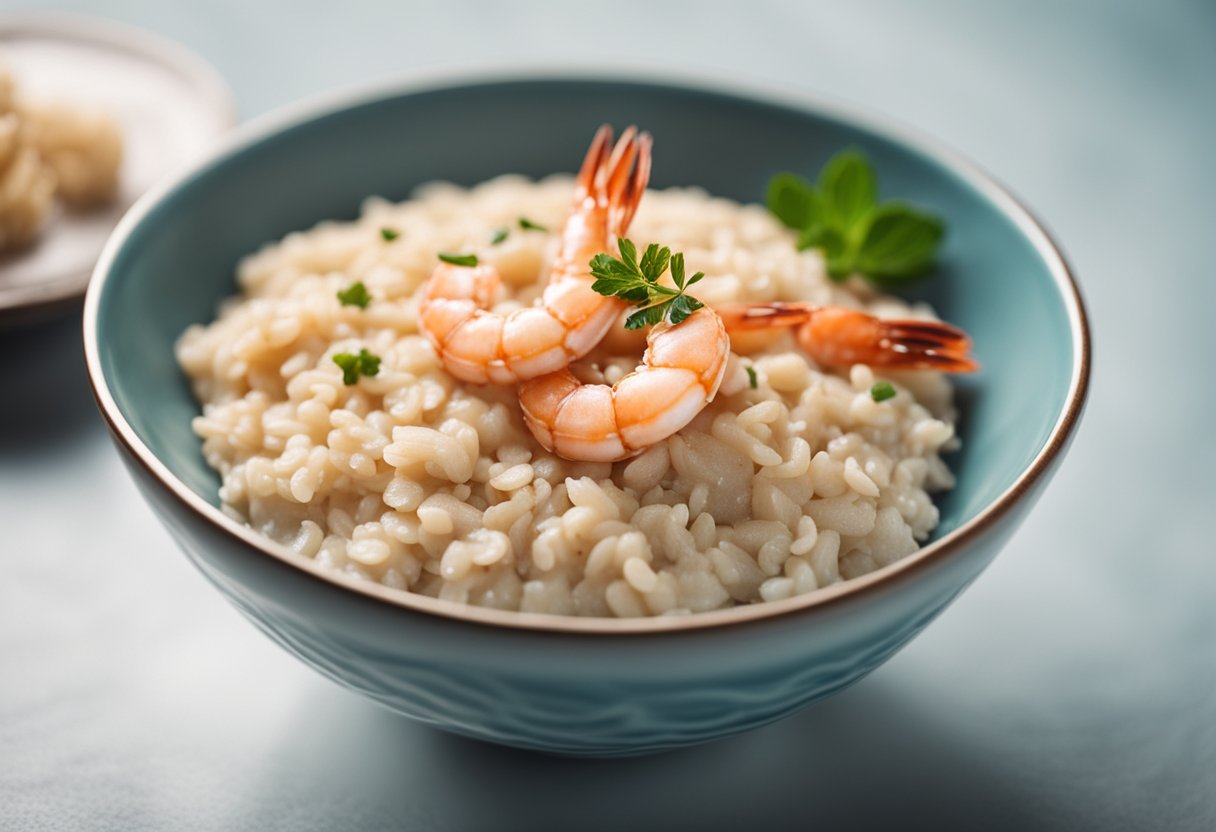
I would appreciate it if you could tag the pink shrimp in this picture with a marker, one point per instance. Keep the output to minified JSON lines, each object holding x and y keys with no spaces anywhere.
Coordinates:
{"x":840,"y":337}
{"x":679,"y":375}
{"x":481,"y":346}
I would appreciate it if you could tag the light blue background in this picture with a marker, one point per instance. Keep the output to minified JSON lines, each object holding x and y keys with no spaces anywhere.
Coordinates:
{"x":1074,"y":686}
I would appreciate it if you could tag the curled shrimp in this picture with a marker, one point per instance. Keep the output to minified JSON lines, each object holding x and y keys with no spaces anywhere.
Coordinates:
{"x":479,"y":346}
{"x":840,"y":337}
{"x":679,"y":375}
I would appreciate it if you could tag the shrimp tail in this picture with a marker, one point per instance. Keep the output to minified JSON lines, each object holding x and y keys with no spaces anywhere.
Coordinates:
{"x":481,"y":346}
{"x":841,"y":337}
{"x":740,"y":317}
{"x":627,"y":183}
{"x":593,"y":163}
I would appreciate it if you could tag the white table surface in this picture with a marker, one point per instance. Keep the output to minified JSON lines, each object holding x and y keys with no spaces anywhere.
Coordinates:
{"x":1074,"y":686}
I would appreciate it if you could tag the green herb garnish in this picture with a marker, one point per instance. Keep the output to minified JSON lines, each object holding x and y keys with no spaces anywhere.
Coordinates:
{"x":389,"y":234}
{"x":841,"y":216}
{"x":499,"y":236}
{"x":353,"y":366}
{"x":638,"y":282}
{"x":458,"y":259}
{"x":751,"y":376}
{"x":527,"y":225}
{"x":882,"y":391}
{"x":355,"y":294}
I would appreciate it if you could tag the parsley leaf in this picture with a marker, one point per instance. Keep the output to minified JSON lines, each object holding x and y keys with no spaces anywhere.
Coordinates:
{"x":752,"y":380}
{"x":389,"y":234}
{"x":655,"y":261}
{"x":369,"y":364}
{"x":527,"y":225}
{"x":355,"y":294}
{"x":638,"y":282}
{"x":354,"y":366}
{"x":499,"y":236}
{"x":842,"y":217}
{"x":646,"y":316}
{"x":458,"y":259}
{"x":682,"y":306}
{"x":882,"y":391}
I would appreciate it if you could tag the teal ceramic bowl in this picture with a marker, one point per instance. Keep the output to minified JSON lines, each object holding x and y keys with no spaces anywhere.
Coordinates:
{"x":579,"y":686}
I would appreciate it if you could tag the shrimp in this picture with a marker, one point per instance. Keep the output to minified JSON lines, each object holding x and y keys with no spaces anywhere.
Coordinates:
{"x":840,"y":337}
{"x":480,"y":346}
{"x":680,"y":373}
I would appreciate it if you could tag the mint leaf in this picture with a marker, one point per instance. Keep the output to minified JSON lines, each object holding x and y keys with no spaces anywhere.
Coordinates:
{"x":843,"y":219}
{"x":899,"y":243}
{"x":791,"y":199}
{"x":838,"y":253}
{"x":850,"y":189}
{"x":821,"y":236}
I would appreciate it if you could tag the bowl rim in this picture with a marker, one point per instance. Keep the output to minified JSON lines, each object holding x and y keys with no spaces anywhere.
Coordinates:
{"x":319,"y":106}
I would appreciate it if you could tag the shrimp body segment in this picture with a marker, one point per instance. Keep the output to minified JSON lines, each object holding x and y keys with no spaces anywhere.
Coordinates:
{"x":679,"y":375}
{"x":480,"y":346}
{"x":840,"y":337}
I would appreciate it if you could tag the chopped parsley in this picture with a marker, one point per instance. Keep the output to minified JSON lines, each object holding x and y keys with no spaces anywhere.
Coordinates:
{"x":527,"y":225}
{"x":353,"y":366}
{"x":638,"y":282}
{"x":389,"y":234}
{"x":458,"y":259}
{"x":841,"y":216}
{"x":882,"y":391}
{"x":499,"y":235}
{"x":751,"y":376}
{"x":355,"y":294}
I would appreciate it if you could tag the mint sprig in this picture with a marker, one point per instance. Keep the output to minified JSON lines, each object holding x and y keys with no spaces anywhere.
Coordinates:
{"x":637,"y":281}
{"x":842,"y":216}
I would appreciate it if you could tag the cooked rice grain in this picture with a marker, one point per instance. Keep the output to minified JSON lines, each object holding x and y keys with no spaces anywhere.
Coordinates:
{"x":428,"y":485}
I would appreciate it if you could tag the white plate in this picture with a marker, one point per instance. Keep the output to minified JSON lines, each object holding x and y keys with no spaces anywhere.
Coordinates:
{"x":170,"y":104}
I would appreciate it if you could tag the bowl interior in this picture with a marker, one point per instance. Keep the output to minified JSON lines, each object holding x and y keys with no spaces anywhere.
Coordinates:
{"x":178,"y":260}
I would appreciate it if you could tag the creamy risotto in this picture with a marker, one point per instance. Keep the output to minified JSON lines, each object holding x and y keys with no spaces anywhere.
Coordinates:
{"x":793,"y":479}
